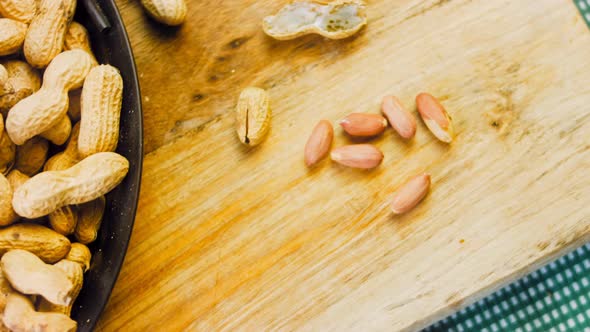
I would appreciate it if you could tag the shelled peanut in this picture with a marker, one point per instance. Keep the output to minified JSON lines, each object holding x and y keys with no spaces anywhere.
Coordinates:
{"x":57,"y":159}
{"x":400,"y":119}
{"x":367,"y":156}
{"x":410,"y":194}
{"x":363,"y":124}
{"x":319,"y":143}
{"x":363,"y":156}
{"x":435,"y":117}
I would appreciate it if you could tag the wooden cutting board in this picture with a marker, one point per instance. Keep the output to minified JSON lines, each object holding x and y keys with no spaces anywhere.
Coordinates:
{"x":230,"y":238}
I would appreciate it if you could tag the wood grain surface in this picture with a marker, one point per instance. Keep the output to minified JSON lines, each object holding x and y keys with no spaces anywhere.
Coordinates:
{"x":229,"y":238}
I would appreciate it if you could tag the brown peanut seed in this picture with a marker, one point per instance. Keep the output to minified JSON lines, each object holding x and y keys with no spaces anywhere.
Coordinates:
{"x":410,"y":194}
{"x":363,"y":124}
{"x":400,"y":119}
{"x":364,"y":156}
{"x":435,"y":117}
{"x":319,"y":143}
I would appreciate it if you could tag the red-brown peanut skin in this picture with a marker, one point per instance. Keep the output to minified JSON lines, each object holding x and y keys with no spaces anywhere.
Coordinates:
{"x":402,"y":121}
{"x":319,"y":143}
{"x":363,"y":124}
{"x":410,"y":194}
{"x":363,"y":156}
{"x":435,"y":117}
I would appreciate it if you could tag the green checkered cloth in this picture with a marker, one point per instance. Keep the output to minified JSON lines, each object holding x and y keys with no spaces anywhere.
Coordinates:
{"x":554,"y":298}
{"x":584,"y":7}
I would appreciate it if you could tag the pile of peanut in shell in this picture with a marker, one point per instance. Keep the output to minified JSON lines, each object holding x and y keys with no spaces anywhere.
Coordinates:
{"x":54,"y":96}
